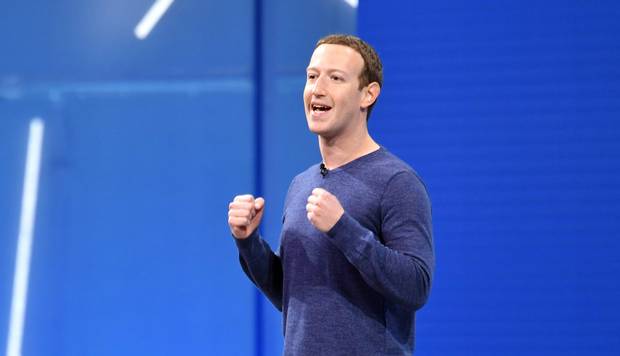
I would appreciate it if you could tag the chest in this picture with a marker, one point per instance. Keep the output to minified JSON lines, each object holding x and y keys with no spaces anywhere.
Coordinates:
{"x":300,"y":236}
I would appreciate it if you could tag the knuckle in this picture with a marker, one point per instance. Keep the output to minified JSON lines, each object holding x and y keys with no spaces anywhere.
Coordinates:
{"x":244,"y":198}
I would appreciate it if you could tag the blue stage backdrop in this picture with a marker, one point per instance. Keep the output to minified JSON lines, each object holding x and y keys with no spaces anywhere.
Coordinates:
{"x":145,"y":143}
{"x":509,"y":110}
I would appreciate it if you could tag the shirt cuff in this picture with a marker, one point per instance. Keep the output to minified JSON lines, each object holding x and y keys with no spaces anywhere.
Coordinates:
{"x":248,"y":245}
{"x":349,"y":236}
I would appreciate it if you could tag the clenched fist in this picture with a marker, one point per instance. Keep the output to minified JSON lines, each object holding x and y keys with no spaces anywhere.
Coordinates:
{"x":244,"y":215}
{"x":324,"y":209}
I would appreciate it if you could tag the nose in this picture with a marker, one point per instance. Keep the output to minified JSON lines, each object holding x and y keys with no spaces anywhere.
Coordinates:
{"x":318,"y":87}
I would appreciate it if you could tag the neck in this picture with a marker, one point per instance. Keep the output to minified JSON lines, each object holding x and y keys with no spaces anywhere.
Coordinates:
{"x":339,"y":151}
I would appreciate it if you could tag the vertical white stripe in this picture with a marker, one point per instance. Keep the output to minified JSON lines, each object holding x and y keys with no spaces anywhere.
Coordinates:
{"x":24,"y":242}
{"x":150,"y":19}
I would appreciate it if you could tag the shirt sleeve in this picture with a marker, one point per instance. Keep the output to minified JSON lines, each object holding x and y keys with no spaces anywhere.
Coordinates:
{"x":399,"y":265}
{"x":262,"y":266}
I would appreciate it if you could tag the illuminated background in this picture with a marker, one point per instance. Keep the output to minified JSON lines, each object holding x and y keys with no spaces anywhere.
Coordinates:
{"x":509,"y":110}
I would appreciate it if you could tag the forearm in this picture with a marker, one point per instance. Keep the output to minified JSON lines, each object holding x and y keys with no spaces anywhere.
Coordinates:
{"x":403,"y":277}
{"x":262,"y":266}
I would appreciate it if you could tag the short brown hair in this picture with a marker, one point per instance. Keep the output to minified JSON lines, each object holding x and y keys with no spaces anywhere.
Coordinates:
{"x":373,"y":69}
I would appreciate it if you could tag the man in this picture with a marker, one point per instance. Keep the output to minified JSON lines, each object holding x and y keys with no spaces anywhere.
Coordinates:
{"x":356,"y":254}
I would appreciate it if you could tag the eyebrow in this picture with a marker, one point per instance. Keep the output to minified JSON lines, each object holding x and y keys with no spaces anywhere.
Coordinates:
{"x":328,"y":70}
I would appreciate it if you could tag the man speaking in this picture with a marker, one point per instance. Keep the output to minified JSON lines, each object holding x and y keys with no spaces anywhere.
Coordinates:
{"x":356,"y":257}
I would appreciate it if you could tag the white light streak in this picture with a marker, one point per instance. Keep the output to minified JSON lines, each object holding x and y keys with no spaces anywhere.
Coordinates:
{"x":151,"y":18}
{"x":352,"y":3}
{"x":24,"y":242}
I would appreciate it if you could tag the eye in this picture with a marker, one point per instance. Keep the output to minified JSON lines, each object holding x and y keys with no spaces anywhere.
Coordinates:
{"x":311,"y":76}
{"x":336,"y":78}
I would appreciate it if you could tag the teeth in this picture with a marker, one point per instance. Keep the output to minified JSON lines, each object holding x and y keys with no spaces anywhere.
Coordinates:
{"x":320,"y":107}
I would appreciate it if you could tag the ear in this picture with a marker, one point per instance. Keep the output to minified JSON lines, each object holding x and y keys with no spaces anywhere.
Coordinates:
{"x":371,"y":93}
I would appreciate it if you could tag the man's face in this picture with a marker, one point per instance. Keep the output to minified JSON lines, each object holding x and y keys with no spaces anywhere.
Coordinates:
{"x":332,"y":97}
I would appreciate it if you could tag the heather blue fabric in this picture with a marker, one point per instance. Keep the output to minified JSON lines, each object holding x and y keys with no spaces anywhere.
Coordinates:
{"x":355,"y":289}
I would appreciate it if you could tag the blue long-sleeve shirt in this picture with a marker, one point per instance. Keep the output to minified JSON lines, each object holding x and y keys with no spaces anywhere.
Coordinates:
{"x":355,"y":289}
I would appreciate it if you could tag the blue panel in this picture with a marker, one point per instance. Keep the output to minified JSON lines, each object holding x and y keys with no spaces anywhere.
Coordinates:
{"x":510,"y":112}
{"x":134,"y":256}
{"x":94,"y":40}
{"x":145,"y":144}
{"x":290,"y":32}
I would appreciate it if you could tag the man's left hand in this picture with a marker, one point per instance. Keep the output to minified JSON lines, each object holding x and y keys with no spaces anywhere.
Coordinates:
{"x":324,"y":209}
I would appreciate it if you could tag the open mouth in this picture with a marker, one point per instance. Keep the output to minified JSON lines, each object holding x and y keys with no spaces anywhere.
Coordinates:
{"x":320,"y":108}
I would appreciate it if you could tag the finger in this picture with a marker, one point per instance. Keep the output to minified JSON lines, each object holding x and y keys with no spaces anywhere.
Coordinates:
{"x":241,"y":205}
{"x":259,"y":203}
{"x":240,"y":213}
{"x":318,"y":191}
{"x":313,"y":199}
{"x":244,"y":198}
{"x":310,"y":208}
{"x":246,"y":207}
{"x":238,"y":221}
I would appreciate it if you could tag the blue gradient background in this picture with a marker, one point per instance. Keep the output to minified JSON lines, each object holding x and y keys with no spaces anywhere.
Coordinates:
{"x":510,"y":111}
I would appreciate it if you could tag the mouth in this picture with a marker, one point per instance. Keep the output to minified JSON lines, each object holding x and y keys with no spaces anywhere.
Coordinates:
{"x":320,"y":108}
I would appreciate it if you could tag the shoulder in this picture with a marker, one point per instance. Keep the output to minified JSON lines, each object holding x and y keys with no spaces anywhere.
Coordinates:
{"x":391,"y":168}
{"x":400,"y":178}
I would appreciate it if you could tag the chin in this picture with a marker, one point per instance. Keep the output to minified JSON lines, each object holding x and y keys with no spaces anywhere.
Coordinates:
{"x":314,"y":128}
{"x":317,"y":128}
{"x":322,"y":132}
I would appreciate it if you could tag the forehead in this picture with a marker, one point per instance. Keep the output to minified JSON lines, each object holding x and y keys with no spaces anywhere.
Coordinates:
{"x":336,"y":57}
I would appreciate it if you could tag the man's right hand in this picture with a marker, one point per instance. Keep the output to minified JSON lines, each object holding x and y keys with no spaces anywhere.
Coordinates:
{"x":244,"y":215}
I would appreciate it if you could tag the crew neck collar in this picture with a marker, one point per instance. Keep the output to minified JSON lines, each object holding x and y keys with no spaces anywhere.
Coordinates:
{"x":357,"y":160}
